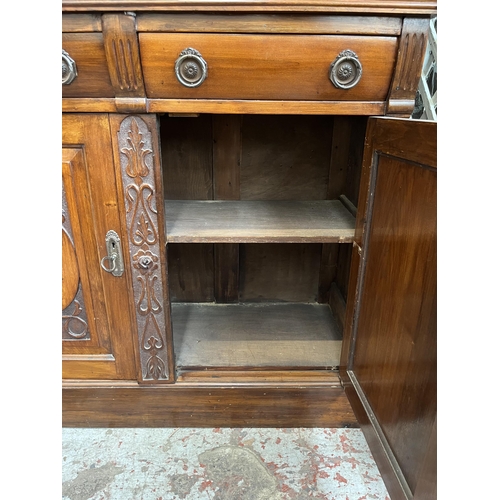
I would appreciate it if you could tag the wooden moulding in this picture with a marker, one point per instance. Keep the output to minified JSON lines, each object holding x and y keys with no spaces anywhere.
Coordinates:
{"x":262,"y":23}
{"x":354,"y":6}
{"x":81,"y":23}
{"x":326,"y":221}
{"x":126,"y":404}
{"x":266,"y":107}
{"x":109,"y":105}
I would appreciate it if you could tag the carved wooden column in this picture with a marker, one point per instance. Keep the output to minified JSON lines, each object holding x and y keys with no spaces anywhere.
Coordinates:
{"x":136,"y":144}
{"x":124,"y":64}
{"x":411,"y":53}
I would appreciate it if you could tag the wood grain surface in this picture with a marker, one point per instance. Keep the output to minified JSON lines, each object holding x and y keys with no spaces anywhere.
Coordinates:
{"x":357,"y":6}
{"x":267,"y":66}
{"x":253,"y":107}
{"x":93,"y":80}
{"x":390,"y":371}
{"x":258,"y":221}
{"x":129,"y":405}
{"x":255,"y":335}
{"x":265,"y":23}
{"x":89,"y":181}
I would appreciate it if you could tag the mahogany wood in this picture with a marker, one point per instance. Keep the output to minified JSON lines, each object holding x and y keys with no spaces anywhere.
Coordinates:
{"x":122,"y":54}
{"x":135,"y":141}
{"x":337,"y":305}
{"x":279,"y":272}
{"x":328,"y":270}
{"x":265,"y":107}
{"x":391,"y":366}
{"x":81,"y":23}
{"x":255,"y":335}
{"x":186,"y":106}
{"x":93,"y":80}
{"x":258,"y":222}
{"x":84,"y":105}
{"x":226,"y":186}
{"x":264,"y":58}
{"x":83,"y":295}
{"x":285,"y":157}
{"x":191,"y":272}
{"x":227,"y":272}
{"x":411,"y":54}
{"x":187,"y":158}
{"x":91,"y":189}
{"x":425,"y":7}
{"x":130,"y":405}
{"x":267,"y":66}
{"x":257,"y":377}
{"x":262,"y":23}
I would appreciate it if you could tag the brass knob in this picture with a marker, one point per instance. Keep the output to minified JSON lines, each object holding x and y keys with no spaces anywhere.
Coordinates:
{"x":346,"y":70}
{"x":190,"y":68}
{"x":69,"y":72}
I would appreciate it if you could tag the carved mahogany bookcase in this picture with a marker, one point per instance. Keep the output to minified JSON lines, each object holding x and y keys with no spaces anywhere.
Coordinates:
{"x":249,"y":221}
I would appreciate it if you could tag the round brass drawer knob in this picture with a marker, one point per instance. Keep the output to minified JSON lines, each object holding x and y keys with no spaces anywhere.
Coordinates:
{"x":190,"y":68}
{"x":346,"y":70}
{"x":69,"y":72}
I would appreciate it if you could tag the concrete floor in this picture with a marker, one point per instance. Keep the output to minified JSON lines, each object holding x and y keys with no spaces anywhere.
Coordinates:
{"x":218,"y":464}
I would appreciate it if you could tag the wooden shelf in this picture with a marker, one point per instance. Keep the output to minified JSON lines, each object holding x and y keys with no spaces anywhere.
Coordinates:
{"x":285,"y":335}
{"x":325,"y":221}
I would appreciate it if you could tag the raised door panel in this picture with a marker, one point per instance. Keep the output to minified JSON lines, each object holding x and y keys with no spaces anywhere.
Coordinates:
{"x":390,"y":356}
{"x":96,"y":338}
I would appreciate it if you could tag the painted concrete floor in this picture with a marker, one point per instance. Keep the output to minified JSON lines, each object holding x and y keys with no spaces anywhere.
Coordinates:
{"x":218,"y":464}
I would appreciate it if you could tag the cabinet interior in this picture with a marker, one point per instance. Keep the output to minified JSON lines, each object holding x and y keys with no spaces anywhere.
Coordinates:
{"x":260,"y":215}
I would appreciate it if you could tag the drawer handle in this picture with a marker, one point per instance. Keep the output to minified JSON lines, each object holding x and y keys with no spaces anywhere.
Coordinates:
{"x":345,"y":71}
{"x":69,"y":72}
{"x":190,"y":68}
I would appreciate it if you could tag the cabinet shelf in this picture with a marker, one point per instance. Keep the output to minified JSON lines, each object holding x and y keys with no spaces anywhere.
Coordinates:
{"x":271,"y":335}
{"x":326,"y":221}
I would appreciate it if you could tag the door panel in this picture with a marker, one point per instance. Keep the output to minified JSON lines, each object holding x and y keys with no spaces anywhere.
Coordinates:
{"x":96,"y":338}
{"x":390,"y":366}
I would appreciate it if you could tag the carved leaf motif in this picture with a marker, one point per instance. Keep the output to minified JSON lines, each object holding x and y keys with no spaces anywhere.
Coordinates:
{"x":155,"y":368}
{"x":142,"y":228}
{"x":136,"y":153}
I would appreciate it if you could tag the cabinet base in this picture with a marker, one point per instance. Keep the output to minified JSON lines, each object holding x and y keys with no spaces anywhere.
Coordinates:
{"x":128,"y":404}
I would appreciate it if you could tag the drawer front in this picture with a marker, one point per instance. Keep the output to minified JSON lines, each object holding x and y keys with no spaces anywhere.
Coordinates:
{"x":268,"y":66}
{"x":87,"y":52}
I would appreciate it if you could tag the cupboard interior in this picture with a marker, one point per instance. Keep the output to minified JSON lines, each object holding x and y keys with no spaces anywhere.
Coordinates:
{"x":260,"y":214}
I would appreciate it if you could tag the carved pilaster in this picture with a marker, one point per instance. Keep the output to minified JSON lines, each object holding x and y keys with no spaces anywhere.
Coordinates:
{"x":122,"y":53}
{"x":411,"y":53}
{"x":139,"y":190}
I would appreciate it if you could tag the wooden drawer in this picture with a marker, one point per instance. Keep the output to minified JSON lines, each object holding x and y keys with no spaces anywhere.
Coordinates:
{"x":267,"y":66}
{"x":87,"y":50}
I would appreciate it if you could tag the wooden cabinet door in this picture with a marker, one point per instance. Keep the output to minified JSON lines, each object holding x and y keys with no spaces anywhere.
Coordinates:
{"x":97,"y":339}
{"x":388,"y":361}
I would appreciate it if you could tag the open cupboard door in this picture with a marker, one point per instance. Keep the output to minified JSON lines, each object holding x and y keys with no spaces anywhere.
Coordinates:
{"x":389,"y":355}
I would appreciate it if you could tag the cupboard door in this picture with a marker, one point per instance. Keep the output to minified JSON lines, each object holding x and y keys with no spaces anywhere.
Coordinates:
{"x":96,"y":338}
{"x":389,"y":356}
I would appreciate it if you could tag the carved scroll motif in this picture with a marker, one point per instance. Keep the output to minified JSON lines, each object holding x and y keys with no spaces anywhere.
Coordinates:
{"x":74,"y":317}
{"x":136,"y":163}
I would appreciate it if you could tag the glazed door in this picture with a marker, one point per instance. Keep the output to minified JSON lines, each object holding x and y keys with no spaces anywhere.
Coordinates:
{"x":388,"y":361}
{"x":97,"y":340}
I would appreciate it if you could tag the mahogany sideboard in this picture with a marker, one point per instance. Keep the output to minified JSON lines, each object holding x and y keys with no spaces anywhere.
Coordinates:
{"x":249,"y":221}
